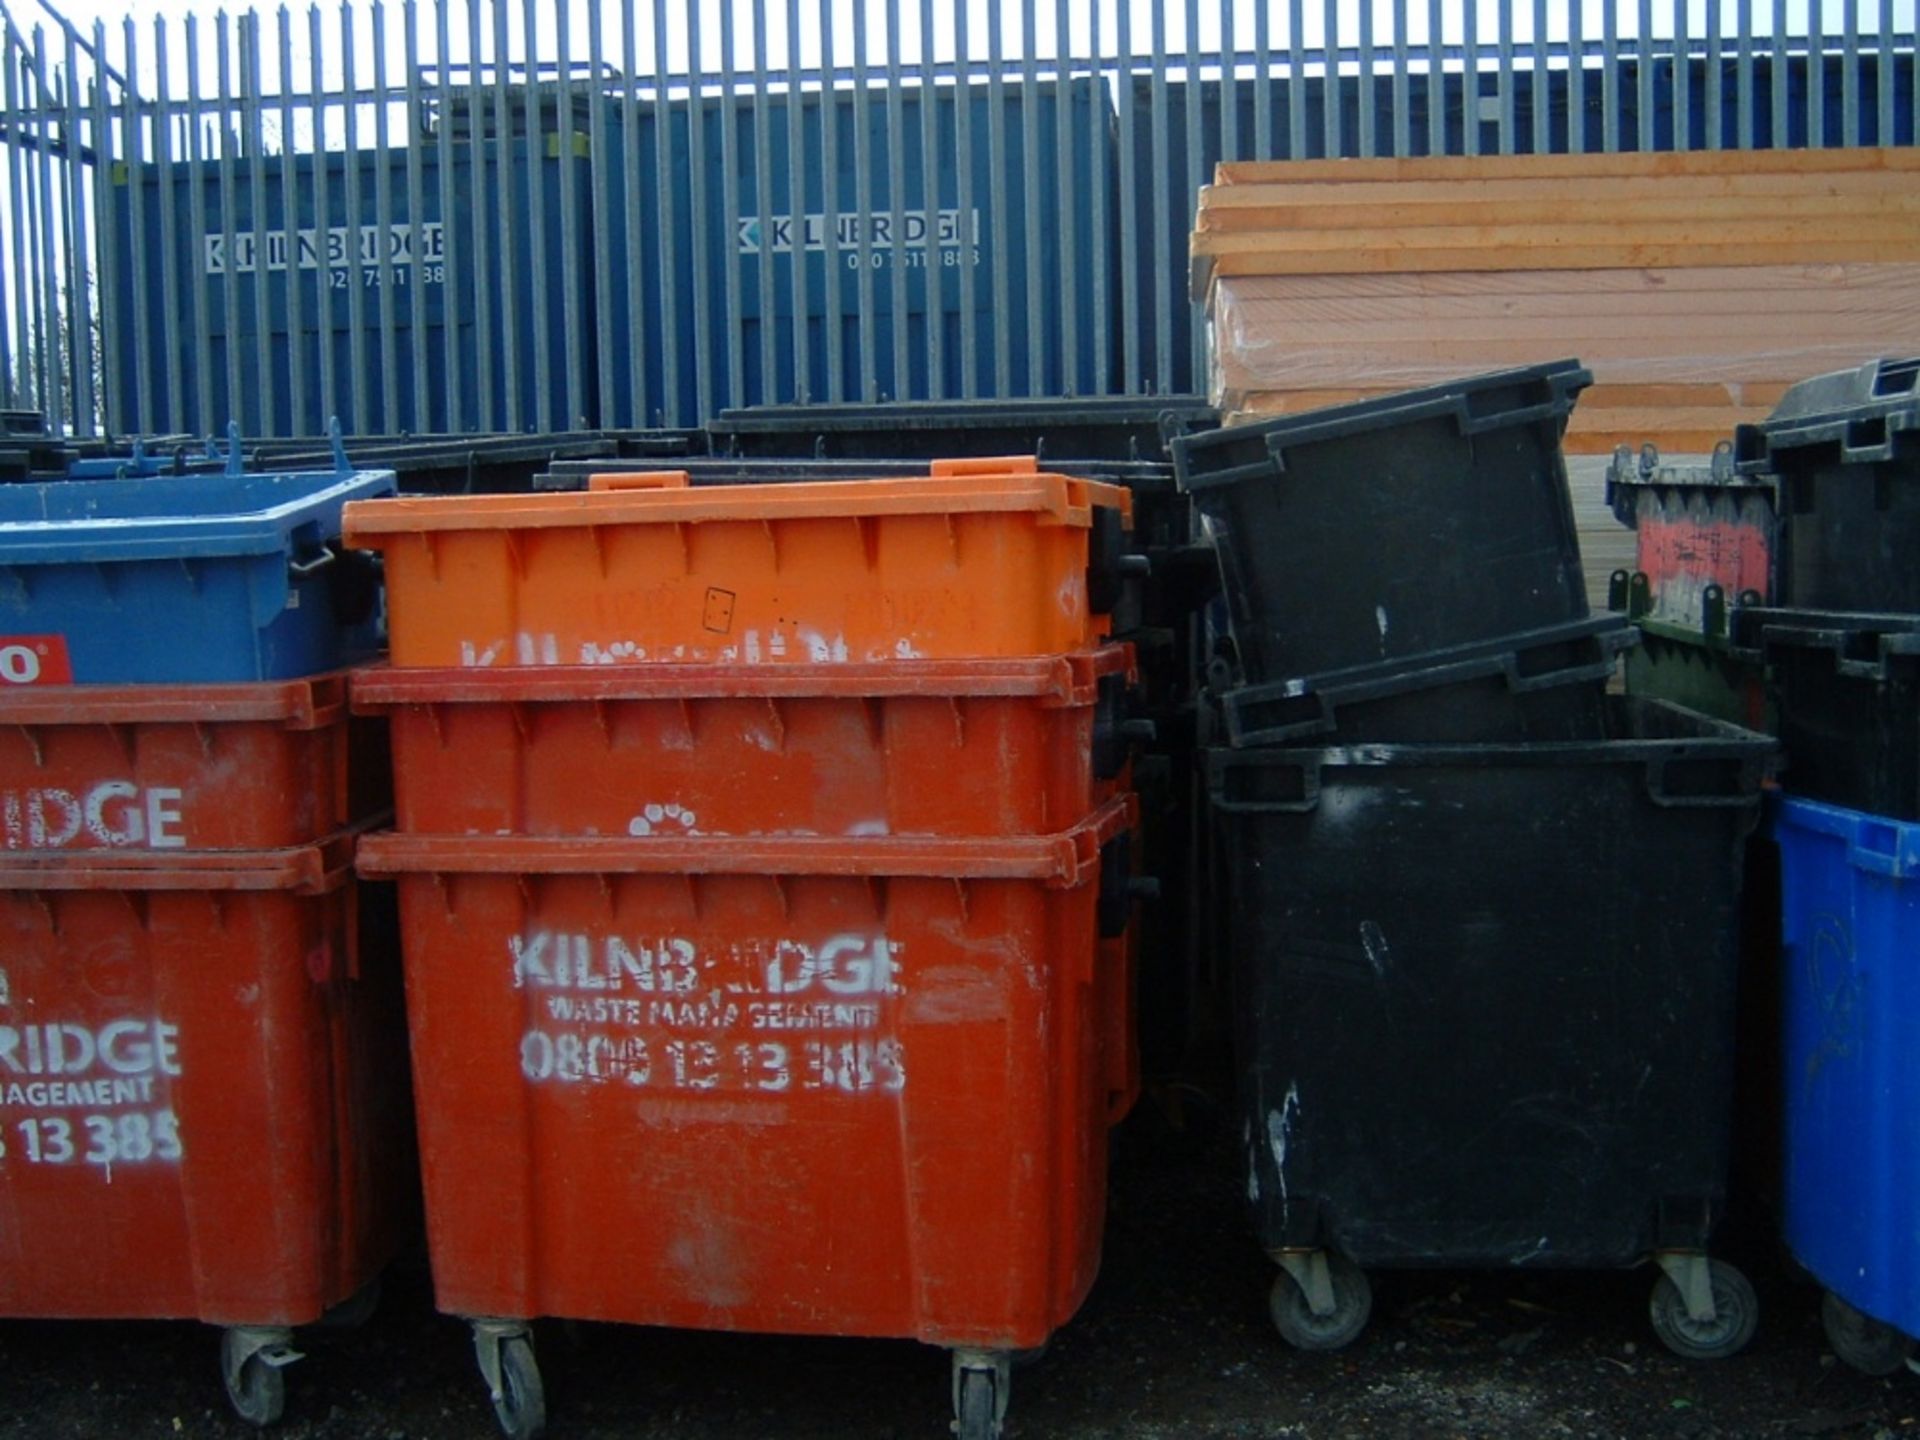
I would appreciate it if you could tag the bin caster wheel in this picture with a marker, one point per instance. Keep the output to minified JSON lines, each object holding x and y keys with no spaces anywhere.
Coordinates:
{"x":981,"y":1381}
{"x":512,"y":1374}
{"x":251,"y":1362}
{"x":258,"y":1393}
{"x":521,"y":1405}
{"x":1870,"y":1346}
{"x":1710,"y":1331}
{"x":975,"y":1420}
{"x":1320,"y":1301}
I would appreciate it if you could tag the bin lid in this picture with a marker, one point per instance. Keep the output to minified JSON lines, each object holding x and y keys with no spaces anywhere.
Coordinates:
{"x":308,"y":703}
{"x":1061,"y":860}
{"x":1113,"y":426}
{"x":1496,"y":400}
{"x":1861,"y":643}
{"x":176,"y":516}
{"x":1638,"y":730}
{"x":665,"y":498}
{"x":302,"y":870}
{"x":1860,"y":410}
{"x":1643,"y":469}
{"x":1875,"y":843}
{"x":1056,"y":679}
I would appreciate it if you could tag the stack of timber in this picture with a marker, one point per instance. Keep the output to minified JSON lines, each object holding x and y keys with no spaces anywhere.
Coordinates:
{"x":1696,"y":286}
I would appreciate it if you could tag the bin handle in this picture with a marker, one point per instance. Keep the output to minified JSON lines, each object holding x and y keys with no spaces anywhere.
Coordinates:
{"x":1558,"y":389}
{"x":1479,"y":424}
{"x":1885,"y":858}
{"x":1875,"y":862}
{"x":1309,"y":797}
{"x":324,"y":558}
{"x":640,"y":480}
{"x":1580,"y":670}
{"x":976,"y":465}
{"x":1727,"y":800}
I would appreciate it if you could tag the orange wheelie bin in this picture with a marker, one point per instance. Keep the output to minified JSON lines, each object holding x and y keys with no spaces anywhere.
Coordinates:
{"x":203,"y":1097}
{"x":762,"y":857}
{"x":203,"y":1115}
{"x":817,"y":1086}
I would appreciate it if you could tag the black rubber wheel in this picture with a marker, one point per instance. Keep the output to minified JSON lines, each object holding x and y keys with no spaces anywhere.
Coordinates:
{"x":1304,"y":1330}
{"x":1736,"y":1316}
{"x":354,"y":1311}
{"x":521,"y":1409}
{"x":976,"y":1420}
{"x":1870,"y":1346}
{"x":259,"y":1395}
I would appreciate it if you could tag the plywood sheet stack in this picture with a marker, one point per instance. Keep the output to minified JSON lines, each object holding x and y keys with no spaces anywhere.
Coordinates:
{"x":1696,"y":286}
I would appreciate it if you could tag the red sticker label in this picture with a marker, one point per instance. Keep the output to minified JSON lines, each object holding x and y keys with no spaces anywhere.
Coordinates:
{"x":34,"y":660}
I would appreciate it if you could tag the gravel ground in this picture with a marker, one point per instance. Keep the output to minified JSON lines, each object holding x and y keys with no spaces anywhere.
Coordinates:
{"x":1174,"y":1342}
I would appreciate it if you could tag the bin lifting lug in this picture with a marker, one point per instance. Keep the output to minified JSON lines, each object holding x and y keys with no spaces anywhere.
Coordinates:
{"x":488,"y":1337}
{"x":1692,"y":1276}
{"x":1309,"y":1271}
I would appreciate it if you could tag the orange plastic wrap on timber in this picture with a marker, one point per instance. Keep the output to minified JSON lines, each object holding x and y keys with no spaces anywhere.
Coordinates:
{"x":913,"y":747}
{"x":205,"y":1100}
{"x":1736,"y":327}
{"x":980,"y":558}
{"x":847,"y":1087}
{"x":1689,"y":164}
{"x":1680,"y":356}
{"x":1495,"y":214}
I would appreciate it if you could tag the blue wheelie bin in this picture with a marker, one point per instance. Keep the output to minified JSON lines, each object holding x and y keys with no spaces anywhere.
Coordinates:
{"x":1850,"y":932}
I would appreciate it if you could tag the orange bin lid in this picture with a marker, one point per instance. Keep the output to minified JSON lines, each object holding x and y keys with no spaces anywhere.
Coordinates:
{"x":302,"y":870}
{"x":307,"y":704}
{"x":1062,"y":860}
{"x":1056,"y":679}
{"x":973,"y":486}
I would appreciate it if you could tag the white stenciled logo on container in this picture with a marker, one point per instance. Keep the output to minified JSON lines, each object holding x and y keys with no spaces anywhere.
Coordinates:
{"x":664,"y":820}
{"x":661,"y":1013}
{"x":120,"y":1066}
{"x":551,"y":960}
{"x":19,"y":664}
{"x":130,"y":1047}
{"x":844,"y":965}
{"x":114,"y":813}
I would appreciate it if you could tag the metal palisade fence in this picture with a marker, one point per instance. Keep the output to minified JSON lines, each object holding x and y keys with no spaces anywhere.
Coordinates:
{"x":484,"y":215}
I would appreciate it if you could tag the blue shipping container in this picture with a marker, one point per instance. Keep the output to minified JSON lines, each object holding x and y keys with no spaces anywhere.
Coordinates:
{"x":184,"y":579}
{"x":1850,"y":931}
{"x":368,"y":385}
{"x":1016,"y":313}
